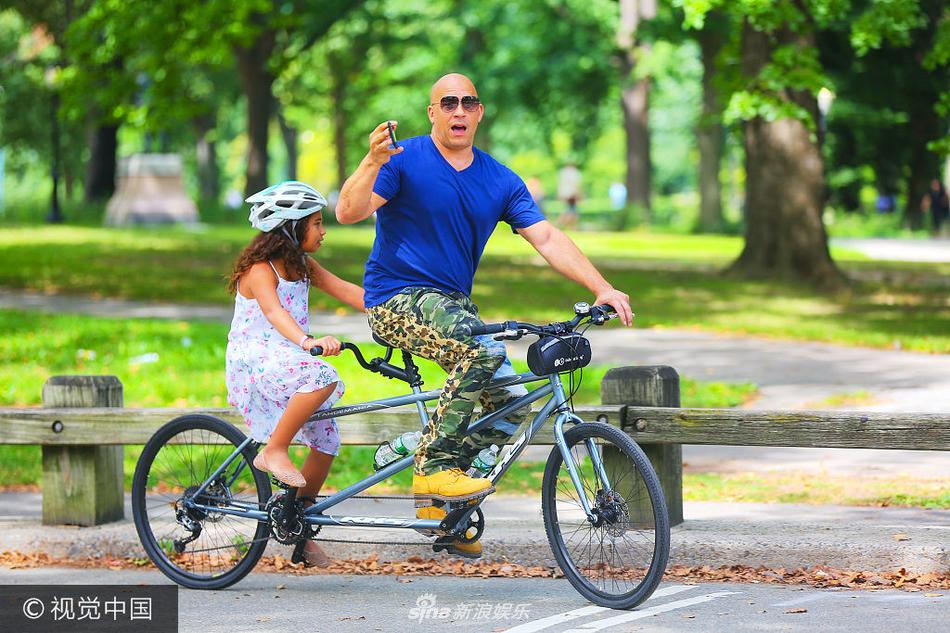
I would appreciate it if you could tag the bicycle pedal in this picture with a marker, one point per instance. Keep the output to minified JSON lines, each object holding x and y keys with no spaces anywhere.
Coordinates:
{"x":464,"y":504}
{"x":279,"y":484}
{"x":297,"y":556}
{"x":442,"y":543}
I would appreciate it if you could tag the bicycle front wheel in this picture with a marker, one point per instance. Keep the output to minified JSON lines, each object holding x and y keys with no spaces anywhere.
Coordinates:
{"x":617,"y":559}
{"x":199,"y":548}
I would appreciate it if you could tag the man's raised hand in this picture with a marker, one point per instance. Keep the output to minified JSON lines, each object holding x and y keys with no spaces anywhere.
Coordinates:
{"x":380,"y":148}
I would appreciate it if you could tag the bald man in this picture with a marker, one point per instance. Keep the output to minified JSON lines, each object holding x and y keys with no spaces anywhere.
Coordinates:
{"x":439,"y":198}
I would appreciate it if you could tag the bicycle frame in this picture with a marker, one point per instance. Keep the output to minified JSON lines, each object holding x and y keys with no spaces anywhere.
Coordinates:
{"x":314,"y":515}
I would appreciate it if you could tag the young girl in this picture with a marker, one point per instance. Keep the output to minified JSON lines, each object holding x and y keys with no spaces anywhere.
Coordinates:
{"x":271,"y":377}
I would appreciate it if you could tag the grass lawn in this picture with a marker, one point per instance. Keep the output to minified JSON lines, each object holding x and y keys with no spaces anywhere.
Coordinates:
{"x":673,"y":280}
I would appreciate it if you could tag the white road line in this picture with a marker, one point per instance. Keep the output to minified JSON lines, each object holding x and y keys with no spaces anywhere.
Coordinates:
{"x":645,"y":613}
{"x":561,"y":618}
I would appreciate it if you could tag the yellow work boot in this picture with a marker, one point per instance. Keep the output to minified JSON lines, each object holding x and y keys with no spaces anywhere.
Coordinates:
{"x":450,"y":485}
{"x":457,"y":548}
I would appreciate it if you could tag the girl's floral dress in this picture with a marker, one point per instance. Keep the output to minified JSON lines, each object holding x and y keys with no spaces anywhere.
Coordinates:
{"x":264,"y":369}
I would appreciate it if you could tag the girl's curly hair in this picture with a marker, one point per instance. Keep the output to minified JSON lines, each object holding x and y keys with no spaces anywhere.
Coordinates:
{"x":273,"y":245}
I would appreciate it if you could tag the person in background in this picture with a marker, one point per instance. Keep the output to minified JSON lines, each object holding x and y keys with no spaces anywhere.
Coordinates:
{"x":937,"y":204}
{"x":536,"y":189}
{"x":569,"y":190}
{"x":618,"y":195}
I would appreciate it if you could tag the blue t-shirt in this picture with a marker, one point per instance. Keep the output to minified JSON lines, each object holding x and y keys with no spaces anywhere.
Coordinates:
{"x":436,"y":221}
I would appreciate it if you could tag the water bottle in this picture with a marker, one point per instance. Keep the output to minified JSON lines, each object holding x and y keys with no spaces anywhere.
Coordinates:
{"x":484,"y":461}
{"x":388,"y":452}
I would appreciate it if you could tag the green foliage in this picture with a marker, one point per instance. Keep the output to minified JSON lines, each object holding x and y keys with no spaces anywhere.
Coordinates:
{"x":886,"y":21}
{"x":29,"y":78}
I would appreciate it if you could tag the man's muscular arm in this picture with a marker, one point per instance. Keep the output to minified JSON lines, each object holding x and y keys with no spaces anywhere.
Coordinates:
{"x":564,"y":256}
{"x":357,"y":200}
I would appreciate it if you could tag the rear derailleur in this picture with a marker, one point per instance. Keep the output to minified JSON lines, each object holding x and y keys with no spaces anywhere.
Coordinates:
{"x":191,"y":517}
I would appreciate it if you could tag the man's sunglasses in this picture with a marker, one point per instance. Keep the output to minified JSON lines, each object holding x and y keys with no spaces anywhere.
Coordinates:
{"x":450,"y":104}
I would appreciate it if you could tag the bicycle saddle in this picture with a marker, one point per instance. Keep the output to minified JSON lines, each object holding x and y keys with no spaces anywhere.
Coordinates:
{"x":381,"y":341}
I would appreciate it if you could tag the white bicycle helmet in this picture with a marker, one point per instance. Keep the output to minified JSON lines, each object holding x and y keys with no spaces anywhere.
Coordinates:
{"x":288,"y":201}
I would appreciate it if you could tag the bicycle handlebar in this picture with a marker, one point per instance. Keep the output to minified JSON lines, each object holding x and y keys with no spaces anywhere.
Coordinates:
{"x":491,"y":328}
{"x":317,"y":350}
{"x":598,"y":315}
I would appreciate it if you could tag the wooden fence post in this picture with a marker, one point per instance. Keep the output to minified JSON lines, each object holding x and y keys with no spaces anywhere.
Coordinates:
{"x":651,"y":386}
{"x":82,"y":485}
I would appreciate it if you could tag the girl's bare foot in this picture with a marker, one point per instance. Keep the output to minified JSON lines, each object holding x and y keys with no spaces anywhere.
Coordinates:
{"x":277,"y":462}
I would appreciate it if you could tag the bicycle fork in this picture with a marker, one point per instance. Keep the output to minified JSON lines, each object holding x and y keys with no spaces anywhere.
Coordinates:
{"x":568,"y":457}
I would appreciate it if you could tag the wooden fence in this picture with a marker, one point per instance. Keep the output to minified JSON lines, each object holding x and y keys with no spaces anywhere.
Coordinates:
{"x":83,"y":427}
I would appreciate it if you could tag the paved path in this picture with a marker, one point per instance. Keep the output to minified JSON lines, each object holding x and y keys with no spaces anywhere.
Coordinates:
{"x":774,"y":535}
{"x":280,"y":602}
{"x":933,"y":250}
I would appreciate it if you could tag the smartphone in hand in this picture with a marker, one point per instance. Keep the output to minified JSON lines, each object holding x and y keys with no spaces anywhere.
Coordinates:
{"x":392,"y":134}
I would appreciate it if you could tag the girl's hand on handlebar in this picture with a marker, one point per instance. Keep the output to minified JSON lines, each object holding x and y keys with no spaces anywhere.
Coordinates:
{"x":331,"y":346}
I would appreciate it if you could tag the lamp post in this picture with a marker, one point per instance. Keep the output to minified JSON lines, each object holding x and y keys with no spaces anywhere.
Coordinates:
{"x":55,"y":213}
{"x":825,"y":99}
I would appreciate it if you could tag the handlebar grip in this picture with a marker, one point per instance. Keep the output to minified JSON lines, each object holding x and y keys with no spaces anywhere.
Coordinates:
{"x":487,"y":328}
{"x":316,"y":350}
{"x":606,"y":309}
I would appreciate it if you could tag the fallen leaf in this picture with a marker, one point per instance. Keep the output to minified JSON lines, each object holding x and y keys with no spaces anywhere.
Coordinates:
{"x":900,"y":536}
{"x":796,"y":610}
{"x":933,"y":595}
{"x":281,"y":587}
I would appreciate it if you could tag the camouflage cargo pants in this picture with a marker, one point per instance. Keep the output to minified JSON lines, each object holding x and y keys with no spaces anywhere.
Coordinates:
{"x":433,"y":324}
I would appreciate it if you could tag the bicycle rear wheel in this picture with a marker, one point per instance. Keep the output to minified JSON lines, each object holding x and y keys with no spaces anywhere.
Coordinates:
{"x":618,"y":560}
{"x":173,"y":465}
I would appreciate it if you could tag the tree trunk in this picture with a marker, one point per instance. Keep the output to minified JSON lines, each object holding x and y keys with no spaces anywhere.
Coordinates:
{"x":289,"y":134}
{"x":710,"y":133}
{"x":924,"y":126}
{"x":206,"y":158}
{"x":785,"y":187}
{"x":100,"y":169}
{"x":257,"y":83}
{"x":634,"y":101}
{"x":338,"y":92}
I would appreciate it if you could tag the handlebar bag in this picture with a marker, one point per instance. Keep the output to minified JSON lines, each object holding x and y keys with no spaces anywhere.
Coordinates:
{"x":554,"y":354}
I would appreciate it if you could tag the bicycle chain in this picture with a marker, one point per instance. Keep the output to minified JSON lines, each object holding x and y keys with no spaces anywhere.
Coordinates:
{"x":343,"y":540}
{"x":371,"y":497}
